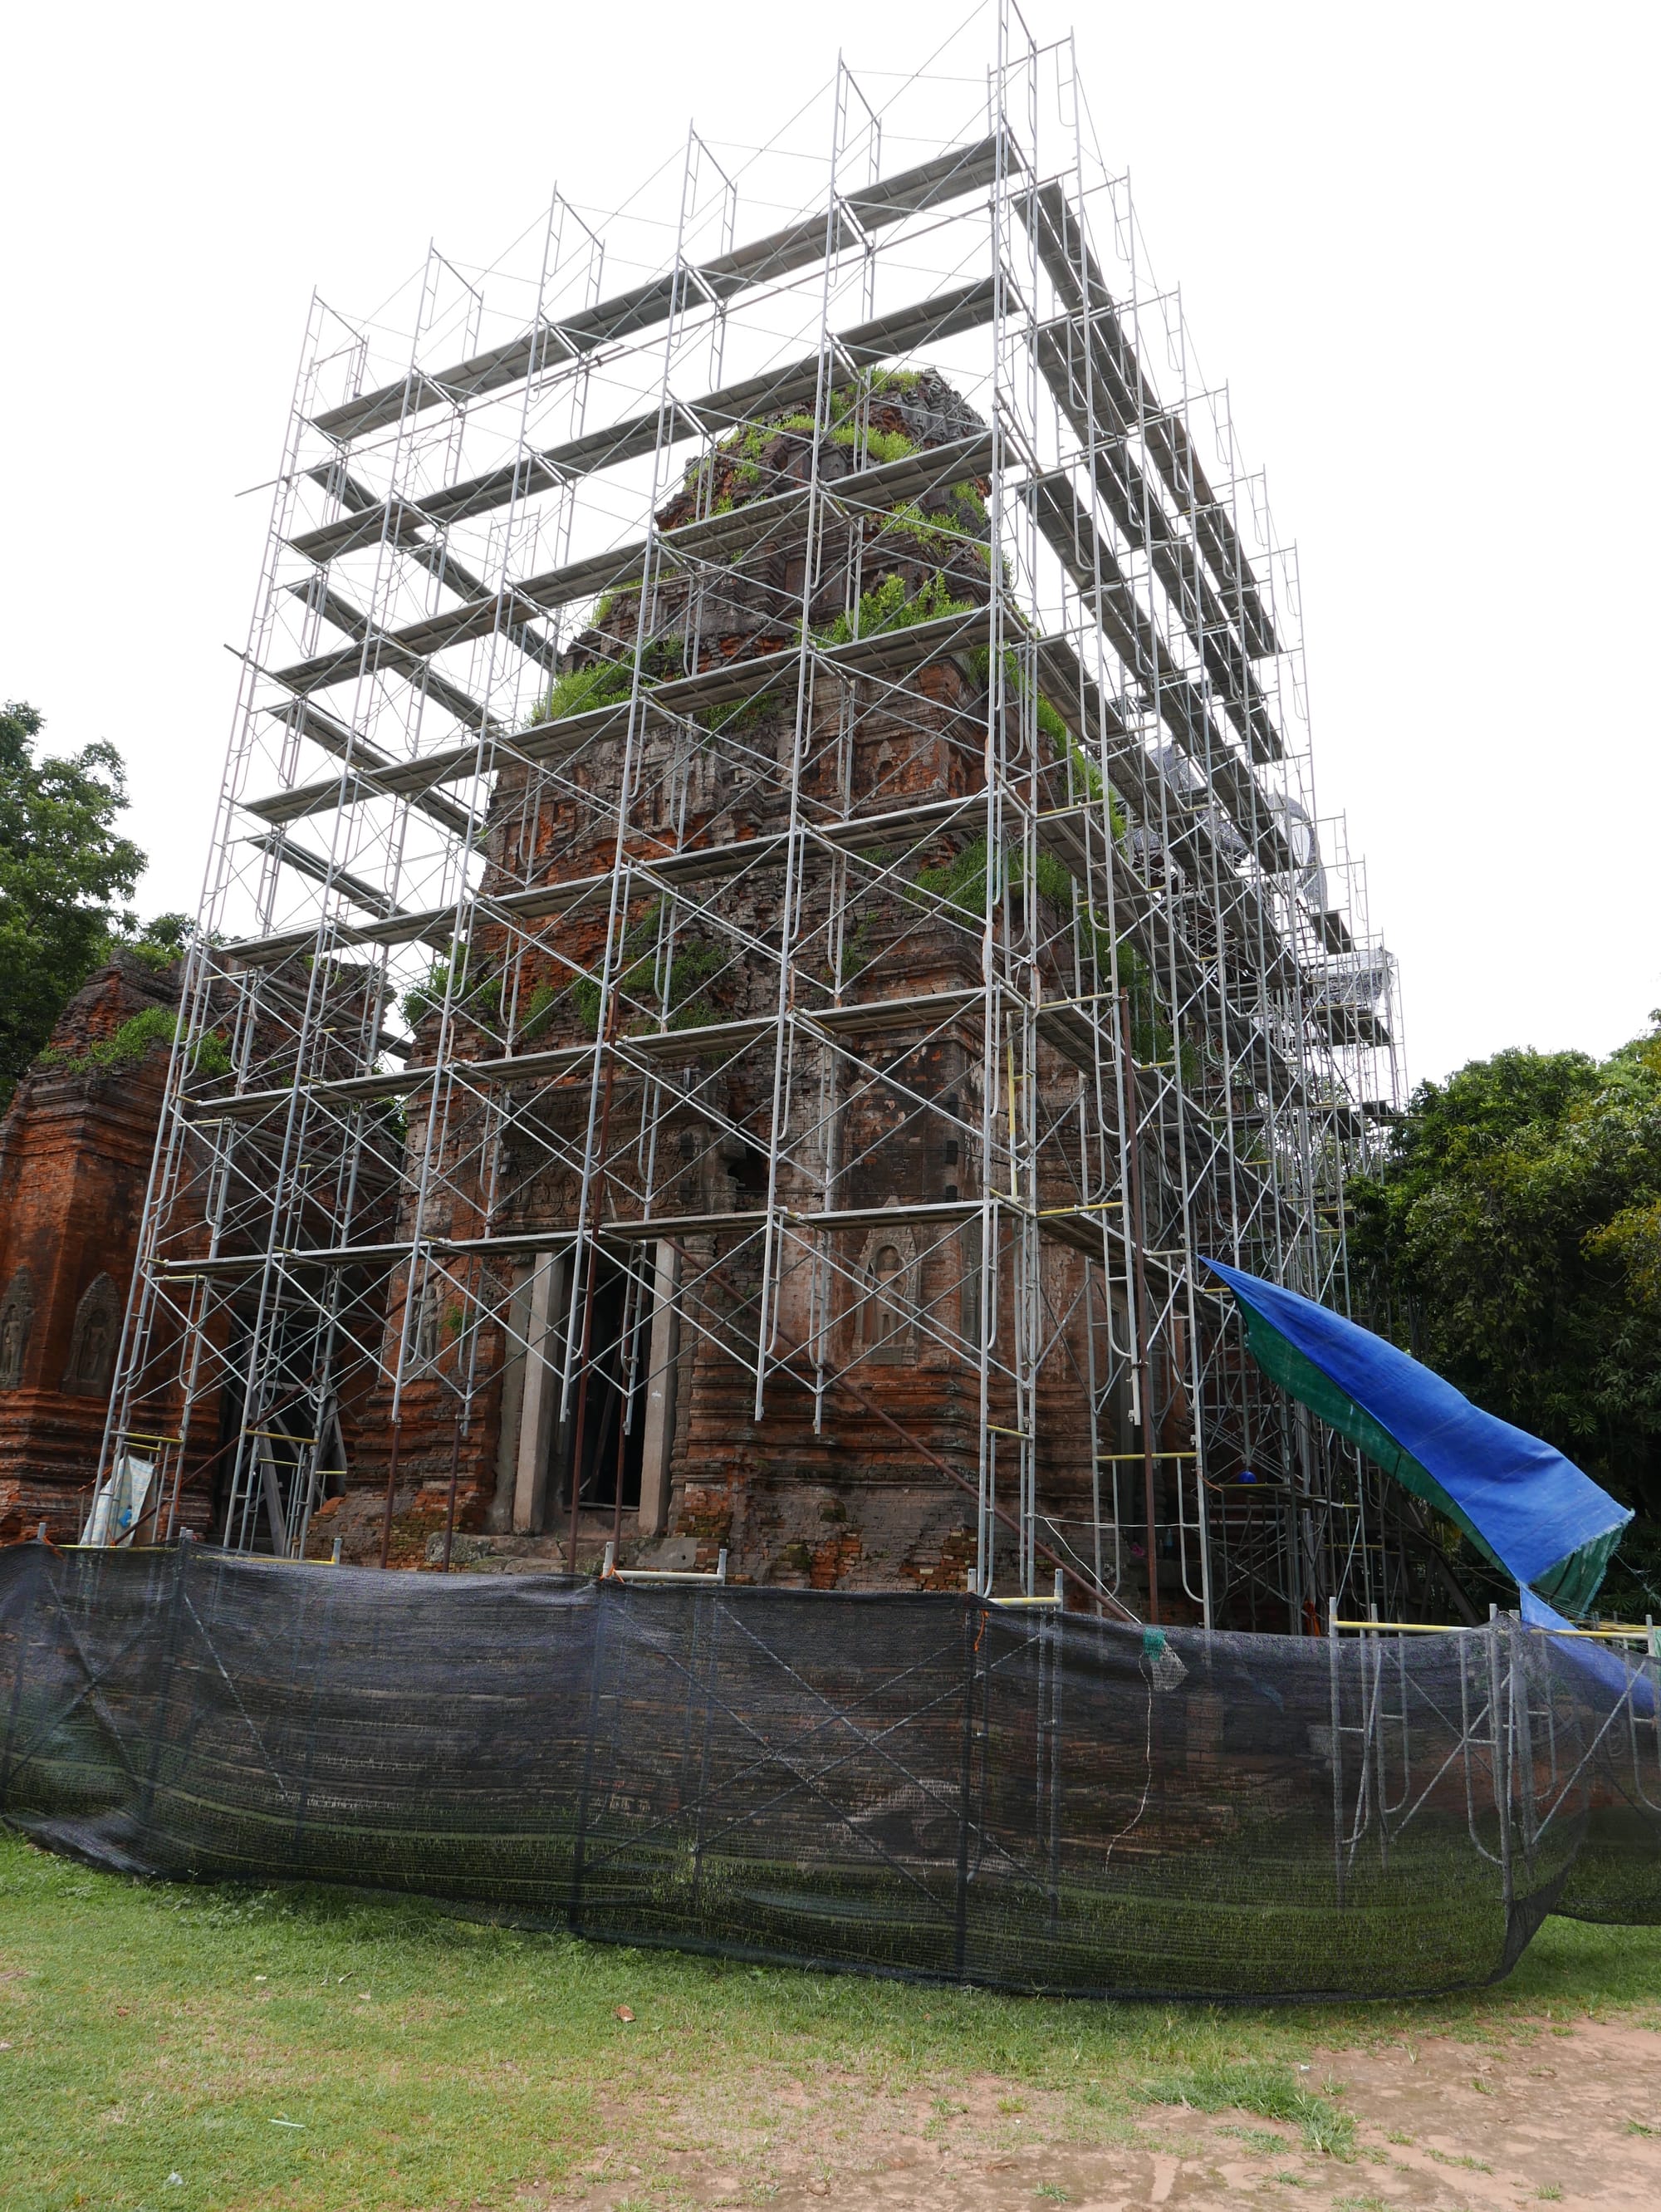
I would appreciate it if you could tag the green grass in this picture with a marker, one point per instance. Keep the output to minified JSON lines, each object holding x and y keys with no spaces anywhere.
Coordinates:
{"x":1269,"y":2089}
{"x":434,"y":2061}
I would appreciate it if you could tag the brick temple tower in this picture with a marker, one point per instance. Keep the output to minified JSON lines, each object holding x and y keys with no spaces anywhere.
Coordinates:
{"x":769,"y":907}
{"x":76,"y":1146}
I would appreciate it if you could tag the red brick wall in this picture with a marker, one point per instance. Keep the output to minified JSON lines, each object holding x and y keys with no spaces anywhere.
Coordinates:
{"x":75,"y":1158}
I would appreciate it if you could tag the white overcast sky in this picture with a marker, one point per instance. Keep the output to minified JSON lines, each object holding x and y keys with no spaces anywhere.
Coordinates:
{"x":1419,"y":243}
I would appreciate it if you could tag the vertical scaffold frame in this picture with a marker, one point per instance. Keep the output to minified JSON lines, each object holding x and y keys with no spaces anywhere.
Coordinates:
{"x":478,"y":1012}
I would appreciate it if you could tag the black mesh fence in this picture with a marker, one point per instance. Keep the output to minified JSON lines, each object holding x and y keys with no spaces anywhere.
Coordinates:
{"x":917,"y":1785}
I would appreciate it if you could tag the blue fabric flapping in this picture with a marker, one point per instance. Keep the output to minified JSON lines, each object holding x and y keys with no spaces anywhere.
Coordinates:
{"x":1528,"y":1508}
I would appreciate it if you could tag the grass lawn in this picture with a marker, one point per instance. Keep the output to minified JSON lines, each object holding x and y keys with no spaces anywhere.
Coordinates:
{"x":182,"y":2048}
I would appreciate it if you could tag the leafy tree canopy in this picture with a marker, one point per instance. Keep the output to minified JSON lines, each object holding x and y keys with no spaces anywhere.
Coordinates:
{"x":63,"y":870}
{"x":1513,"y":1241}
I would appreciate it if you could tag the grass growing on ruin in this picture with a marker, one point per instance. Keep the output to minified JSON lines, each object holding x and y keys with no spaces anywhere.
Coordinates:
{"x":308,"y":2048}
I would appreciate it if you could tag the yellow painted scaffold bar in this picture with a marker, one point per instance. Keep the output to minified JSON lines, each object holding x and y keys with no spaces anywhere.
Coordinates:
{"x":1623,"y":1633}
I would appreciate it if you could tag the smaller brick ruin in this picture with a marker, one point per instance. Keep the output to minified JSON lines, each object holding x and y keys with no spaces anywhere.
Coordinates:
{"x":76,"y":1148}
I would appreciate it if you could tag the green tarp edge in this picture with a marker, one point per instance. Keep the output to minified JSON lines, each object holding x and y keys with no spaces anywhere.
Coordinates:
{"x":1298,"y":1374}
{"x":1571,"y":1583}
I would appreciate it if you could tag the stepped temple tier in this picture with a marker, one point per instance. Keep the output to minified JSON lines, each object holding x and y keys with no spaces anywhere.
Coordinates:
{"x":769,"y":909}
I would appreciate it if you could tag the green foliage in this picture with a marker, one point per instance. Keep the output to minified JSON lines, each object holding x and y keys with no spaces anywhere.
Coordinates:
{"x":579,"y":691}
{"x":162,"y":942}
{"x":967,"y":496}
{"x":1087,"y":781}
{"x":538,"y":1005}
{"x":1509,"y":1239}
{"x":880,"y":445}
{"x":433,"y":2056}
{"x":136,"y":1038}
{"x":62,"y":867}
{"x":885,"y":607}
{"x":1273,"y":2093}
{"x":746,"y":448}
{"x":156,"y":1025}
{"x":738,"y":714}
{"x":962,"y":882}
{"x":695,"y":962}
{"x":211,"y":1059}
{"x":935,"y":535}
{"x":877,"y":383}
{"x":856,"y":947}
{"x":609,"y":682}
{"x":424,"y":999}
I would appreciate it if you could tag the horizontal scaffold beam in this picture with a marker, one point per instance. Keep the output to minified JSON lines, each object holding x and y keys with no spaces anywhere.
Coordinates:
{"x":867,"y":345}
{"x":1137,"y":509}
{"x":323,"y":870}
{"x":1078,"y":1029}
{"x":1088,"y":1229}
{"x":1135,"y":774}
{"x":717,"y":537}
{"x":1179,"y":702}
{"x":782,"y":253}
{"x":379,"y":652}
{"x":436,"y":556}
{"x":887,"y":653}
{"x":1072,"y":268}
{"x":330,"y":736}
{"x":826,"y":1024}
{"x":666,"y":868}
{"x":1066,"y":833}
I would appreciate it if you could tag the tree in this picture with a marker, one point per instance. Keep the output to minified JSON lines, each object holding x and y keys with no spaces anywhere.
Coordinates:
{"x":62,"y":869}
{"x":1513,"y":1241}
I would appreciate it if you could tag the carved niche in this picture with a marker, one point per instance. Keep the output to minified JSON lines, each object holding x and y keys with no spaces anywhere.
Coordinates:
{"x":16,"y":1325}
{"x":885,"y":1319}
{"x":94,"y":1339}
{"x":429,"y":1321}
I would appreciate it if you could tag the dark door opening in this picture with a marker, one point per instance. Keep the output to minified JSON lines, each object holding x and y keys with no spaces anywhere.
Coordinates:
{"x":613,"y":1444}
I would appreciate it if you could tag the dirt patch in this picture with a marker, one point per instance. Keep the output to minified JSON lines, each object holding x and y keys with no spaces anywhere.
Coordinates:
{"x":1442,"y":2125}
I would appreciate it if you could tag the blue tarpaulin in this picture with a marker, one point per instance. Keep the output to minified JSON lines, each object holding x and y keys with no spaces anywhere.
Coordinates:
{"x":1610,"y":1670}
{"x":1525,"y":1507}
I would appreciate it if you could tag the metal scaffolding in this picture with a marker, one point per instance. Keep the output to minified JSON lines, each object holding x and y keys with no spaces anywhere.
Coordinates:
{"x":769,"y":865}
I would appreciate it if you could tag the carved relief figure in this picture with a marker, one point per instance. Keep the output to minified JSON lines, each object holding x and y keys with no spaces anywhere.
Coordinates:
{"x":93,"y":1342}
{"x":16,"y":1321}
{"x":885,"y":1321}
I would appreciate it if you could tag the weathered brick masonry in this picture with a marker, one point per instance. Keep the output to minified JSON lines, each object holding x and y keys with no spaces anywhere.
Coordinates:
{"x":849,"y":1501}
{"x":75,"y":1147}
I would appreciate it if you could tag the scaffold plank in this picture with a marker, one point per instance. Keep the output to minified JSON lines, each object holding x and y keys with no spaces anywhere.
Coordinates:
{"x":873,"y":1018}
{"x":374,"y":651}
{"x":437,"y":558}
{"x":717,"y":537}
{"x":406,"y":780}
{"x":886,"y":654}
{"x":1137,"y":509}
{"x":698,"y":863}
{"x":1087,"y":1229}
{"x":1067,"y":259}
{"x":867,"y":345}
{"x":1175,"y":697}
{"x":763,"y":261}
{"x":323,"y":870}
{"x":306,"y":717}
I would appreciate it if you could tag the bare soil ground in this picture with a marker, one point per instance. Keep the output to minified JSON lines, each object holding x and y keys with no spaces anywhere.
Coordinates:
{"x":1549,"y":2115}
{"x":326,"y":2051}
